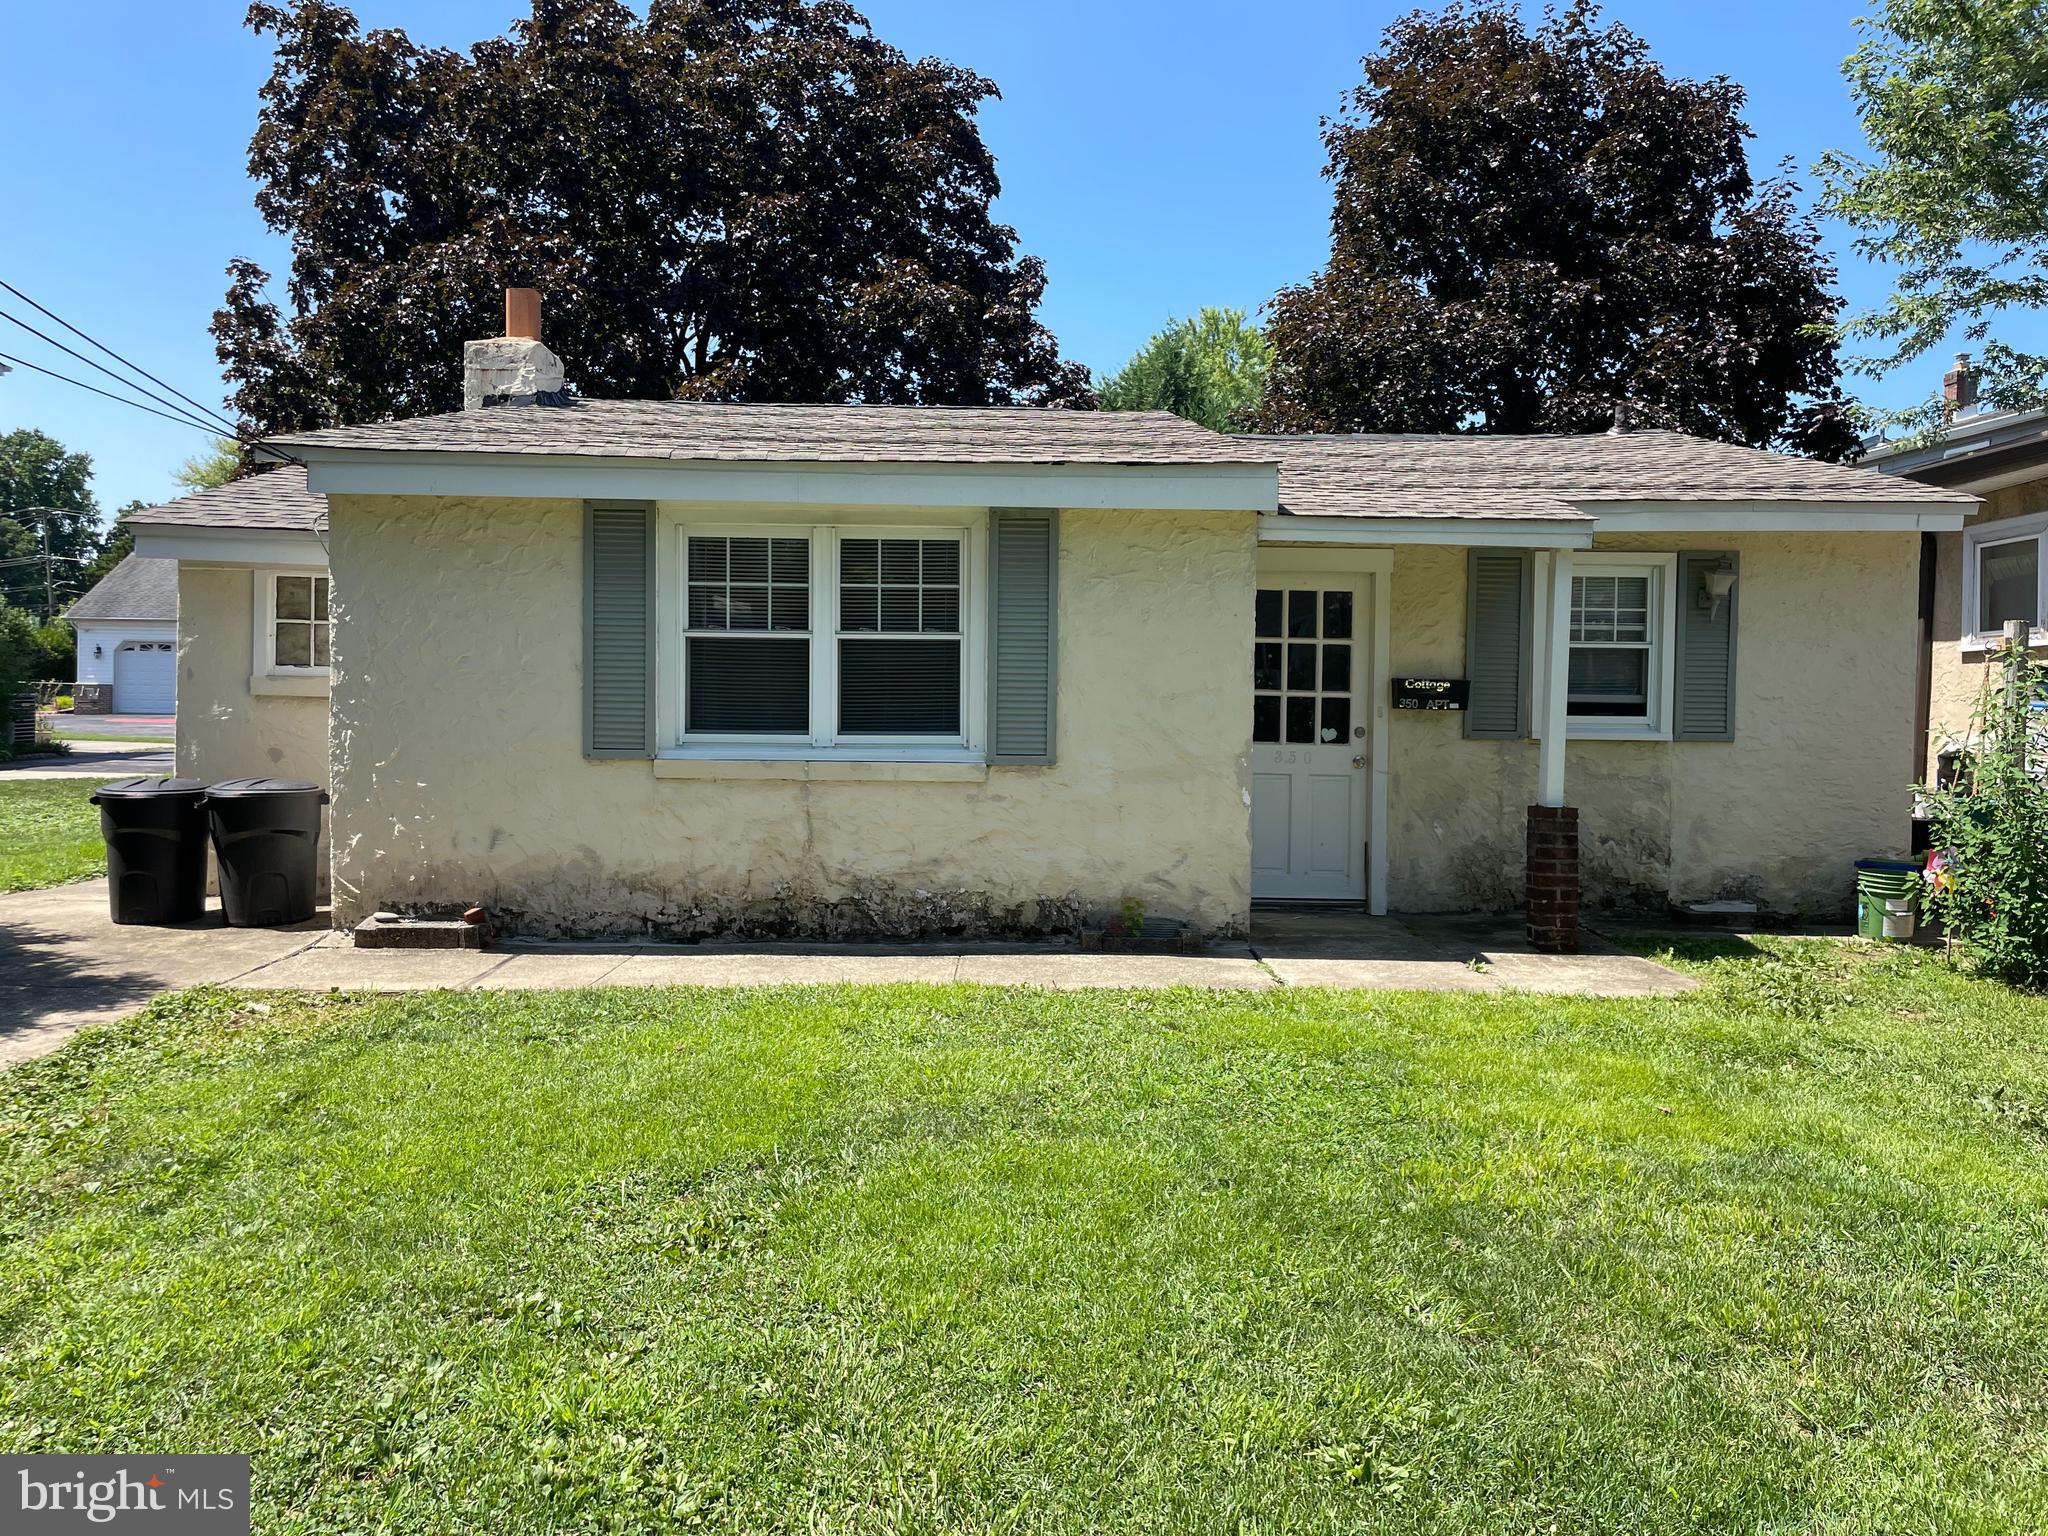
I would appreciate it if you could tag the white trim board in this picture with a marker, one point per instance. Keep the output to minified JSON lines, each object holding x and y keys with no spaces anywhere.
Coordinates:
{"x":1708,"y":518}
{"x":1452,"y":532}
{"x":1166,"y":488}
{"x":276,"y":548}
{"x":1972,"y":641}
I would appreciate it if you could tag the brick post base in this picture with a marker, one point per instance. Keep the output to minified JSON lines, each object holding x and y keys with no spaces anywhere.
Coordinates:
{"x":1553,"y":882}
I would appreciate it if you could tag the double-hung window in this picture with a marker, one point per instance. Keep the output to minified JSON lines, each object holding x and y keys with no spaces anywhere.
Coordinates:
{"x":1617,"y":675}
{"x":833,"y":638}
{"x":2005,"y":577}
{"x":293,"y":627}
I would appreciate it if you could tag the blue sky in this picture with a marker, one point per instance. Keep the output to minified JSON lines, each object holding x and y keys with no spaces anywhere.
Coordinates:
{"x":1158,"y":154}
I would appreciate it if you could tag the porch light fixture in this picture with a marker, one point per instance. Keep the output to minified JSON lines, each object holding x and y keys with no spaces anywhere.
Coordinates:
{"x":97,"y":652}
{"x":1716,"y":582}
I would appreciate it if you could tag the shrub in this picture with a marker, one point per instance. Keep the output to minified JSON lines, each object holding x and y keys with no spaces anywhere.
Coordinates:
{"x":1990,"y":825}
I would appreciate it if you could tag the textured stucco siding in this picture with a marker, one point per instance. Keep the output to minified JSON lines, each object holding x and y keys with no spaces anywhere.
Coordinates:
{"x":1816,"y":776}
{"x":1956,"y":679}
{"x":459,"y":774}
{"x":225,"y":731}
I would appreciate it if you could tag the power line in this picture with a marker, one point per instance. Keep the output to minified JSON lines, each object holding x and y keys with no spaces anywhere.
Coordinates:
{"x":183,"y":421}
{"x":232,"y":429}
{"x":189,"y":418}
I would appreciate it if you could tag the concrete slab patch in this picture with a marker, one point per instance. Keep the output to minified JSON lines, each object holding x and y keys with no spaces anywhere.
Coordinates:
{"x":377,"y":970}
{"x":1068,"y":968}
{"x":548,"y":971}
{"x":769,"y":969}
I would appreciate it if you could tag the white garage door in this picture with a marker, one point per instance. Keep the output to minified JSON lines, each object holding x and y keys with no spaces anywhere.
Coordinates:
{"x":146,"y":678}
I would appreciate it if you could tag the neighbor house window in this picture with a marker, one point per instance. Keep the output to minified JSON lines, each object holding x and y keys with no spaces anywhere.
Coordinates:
{"x":2003,"y":570}
{"x":825,"y":637}
{"x":297,"y":626}
{"x":1617,"y":670}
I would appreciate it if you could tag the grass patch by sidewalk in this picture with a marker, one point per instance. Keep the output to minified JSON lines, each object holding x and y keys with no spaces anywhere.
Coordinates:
{"x":49,"y":832}
{"x":1772,"y":1256}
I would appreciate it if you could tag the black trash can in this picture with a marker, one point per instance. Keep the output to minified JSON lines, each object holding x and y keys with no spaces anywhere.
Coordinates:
{"x":156,"y":848}
{"x":266,"y":838}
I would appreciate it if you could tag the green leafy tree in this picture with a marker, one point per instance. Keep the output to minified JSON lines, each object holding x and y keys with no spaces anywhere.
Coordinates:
{"x":44,"y":487}
{"x":1210,"y":369}
{"x":1533,"y":225}
{"x":1991,"y":825}
{"x":116,"y":547}
{"x":208,"y":471}
{"x":1953,"y":98}
{"x":725,"y":199}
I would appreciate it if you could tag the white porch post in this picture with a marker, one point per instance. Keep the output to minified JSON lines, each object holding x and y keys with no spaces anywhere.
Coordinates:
{"x":1553,"y":652}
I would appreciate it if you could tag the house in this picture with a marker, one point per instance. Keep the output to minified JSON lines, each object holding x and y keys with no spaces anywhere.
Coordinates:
{"x":629,"y":666}
{"x":1973,"y":580}
{"x":127,"y":628}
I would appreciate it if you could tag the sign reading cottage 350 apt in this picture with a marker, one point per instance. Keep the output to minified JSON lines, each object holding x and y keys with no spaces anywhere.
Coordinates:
{"x":160,"y":1495}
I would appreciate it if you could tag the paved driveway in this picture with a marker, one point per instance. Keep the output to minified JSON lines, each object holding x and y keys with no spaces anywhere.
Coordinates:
{"x":95,"y":760}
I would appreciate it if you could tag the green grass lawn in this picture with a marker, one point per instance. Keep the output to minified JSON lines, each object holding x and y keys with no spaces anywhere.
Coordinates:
{"x":49,"y":832}
{"x":1769,"y":1258}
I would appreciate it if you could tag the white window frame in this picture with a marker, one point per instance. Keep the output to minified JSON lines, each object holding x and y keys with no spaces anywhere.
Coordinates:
{"x":824,"y":741}
{"x":266,"y":675}
{"x":1655,"y":725}
{"x":1977,"y":539}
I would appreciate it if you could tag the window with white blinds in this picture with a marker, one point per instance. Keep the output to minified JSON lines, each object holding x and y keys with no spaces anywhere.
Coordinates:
{"x":823,"y":636}
{"x":1614,"y":636}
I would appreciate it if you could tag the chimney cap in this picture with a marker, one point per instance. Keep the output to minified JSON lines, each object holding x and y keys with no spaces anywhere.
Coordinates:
{"x":522,"y":313}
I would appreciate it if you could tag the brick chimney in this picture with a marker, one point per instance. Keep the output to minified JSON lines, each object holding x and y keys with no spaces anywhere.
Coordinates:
{"x":1959,"y":387}
{"x":513,"y":369}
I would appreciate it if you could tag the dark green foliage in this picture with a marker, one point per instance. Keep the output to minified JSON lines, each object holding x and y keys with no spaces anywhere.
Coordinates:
{"x":41,"y":485}
{"x":1953,"y":98}
{"x":739,"y":200}
{"x":1211,"y":369}
{"x":1535,"y":224}
{"x":1992,"y":825}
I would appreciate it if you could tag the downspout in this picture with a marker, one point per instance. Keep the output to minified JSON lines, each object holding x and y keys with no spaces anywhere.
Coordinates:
{"x":1923,"y":663}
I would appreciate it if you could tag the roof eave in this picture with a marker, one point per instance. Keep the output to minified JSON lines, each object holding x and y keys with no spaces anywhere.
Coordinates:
{"x":1250,"y":486}
{"x":1757,"y":515}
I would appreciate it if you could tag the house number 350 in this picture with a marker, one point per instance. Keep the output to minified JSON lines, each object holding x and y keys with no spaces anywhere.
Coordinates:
{"x":1282,"y":755}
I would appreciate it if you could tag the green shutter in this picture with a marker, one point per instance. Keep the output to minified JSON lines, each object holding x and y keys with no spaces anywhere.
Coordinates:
{"x":1705,"y":706}
{"x":1023,"y":634}
{"x":1498,"y":632}
{"x":618,"y":631}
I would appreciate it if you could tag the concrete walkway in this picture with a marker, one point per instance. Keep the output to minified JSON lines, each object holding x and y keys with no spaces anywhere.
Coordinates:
{"x":64,"y":964}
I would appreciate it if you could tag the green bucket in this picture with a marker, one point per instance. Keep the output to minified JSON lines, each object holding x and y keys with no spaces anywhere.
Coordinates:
{"x":1879,"y":881}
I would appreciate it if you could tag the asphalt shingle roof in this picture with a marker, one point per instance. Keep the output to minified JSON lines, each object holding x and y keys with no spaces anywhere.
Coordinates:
{"x":1371,"y":475}
{"x":275,"y":498}
{"x":863,"y":434}
{"x":134,"y":589}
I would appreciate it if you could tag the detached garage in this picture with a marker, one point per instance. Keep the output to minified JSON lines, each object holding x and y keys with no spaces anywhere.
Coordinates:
{"x":128,"y":641}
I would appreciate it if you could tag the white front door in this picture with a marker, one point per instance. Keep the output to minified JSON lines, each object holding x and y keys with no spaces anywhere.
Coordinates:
{"x":1310,"y":742}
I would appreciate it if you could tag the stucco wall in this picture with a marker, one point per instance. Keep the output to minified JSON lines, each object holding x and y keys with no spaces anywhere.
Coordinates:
{"x":459,"y":773}
{"x":224,"y":730}
{"x":1815,"y":777}
{"x":1955,"y":679}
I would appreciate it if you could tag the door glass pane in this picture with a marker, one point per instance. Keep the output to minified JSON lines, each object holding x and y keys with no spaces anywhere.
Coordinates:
{"x":1301,"y":615}
{"x":1337,"y":669}
{"x":1301,"y":667}
{"x":1336,"y":720}
{"x":1266,"y":665}
{"x":1266,"y":613}
{"x":1336,"y":615}
{"x":1266,"y":718}
{"x":2009,"y":584}
{"x":1301,"y":719}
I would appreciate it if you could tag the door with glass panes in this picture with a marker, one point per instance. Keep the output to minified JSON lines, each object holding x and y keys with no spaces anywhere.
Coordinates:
{"x":1309,"y":739}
